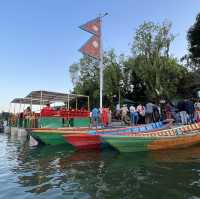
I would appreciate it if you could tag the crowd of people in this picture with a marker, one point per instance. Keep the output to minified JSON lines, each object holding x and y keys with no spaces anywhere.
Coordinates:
{"x":184,"y":112}
{"x":140,"y":114}
{"x":103,"y":117}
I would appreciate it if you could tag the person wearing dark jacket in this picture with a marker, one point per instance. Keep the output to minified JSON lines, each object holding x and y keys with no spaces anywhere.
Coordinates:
{"x":189,"y":107}
{"x":182,"y":110}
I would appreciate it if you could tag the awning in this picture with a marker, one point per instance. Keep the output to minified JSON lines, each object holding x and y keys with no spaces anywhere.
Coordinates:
{"x":44,"y":97}
{"x":53,"y":96}
{"x":28,"y":101}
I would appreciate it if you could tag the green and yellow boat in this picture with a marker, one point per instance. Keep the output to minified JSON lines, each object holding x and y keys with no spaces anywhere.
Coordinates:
{"x":54,"y":136}
{"x":175,"y":138}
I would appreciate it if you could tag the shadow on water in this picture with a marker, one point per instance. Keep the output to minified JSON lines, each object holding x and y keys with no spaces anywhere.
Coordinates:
{"x":58,"y":172}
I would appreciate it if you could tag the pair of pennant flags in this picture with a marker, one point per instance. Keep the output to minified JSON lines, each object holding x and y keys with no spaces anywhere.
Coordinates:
{"x":92,"y":46}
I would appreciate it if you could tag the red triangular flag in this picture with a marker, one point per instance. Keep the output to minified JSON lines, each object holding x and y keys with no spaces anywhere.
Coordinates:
{"x":92,"y":26}
{"x":92,"y":47}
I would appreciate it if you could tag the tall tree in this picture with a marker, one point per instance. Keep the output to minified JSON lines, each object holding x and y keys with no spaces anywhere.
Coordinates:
{"x":85,"y":77}
{"x":159,"y":72}
{"x":194,"y":43}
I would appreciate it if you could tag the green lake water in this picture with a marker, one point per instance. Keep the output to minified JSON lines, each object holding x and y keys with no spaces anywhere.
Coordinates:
{"x":56,"y":173}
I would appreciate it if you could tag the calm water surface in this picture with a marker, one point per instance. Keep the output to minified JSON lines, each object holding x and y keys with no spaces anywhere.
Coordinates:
{"x":55,"y":172}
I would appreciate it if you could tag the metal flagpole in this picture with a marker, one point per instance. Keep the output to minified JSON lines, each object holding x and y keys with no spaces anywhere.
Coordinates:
{"x":94,"y":48}
{"x":101,"y":67}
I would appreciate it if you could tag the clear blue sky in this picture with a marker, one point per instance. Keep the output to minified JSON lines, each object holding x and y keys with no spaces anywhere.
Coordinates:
{"x":39,"y":39}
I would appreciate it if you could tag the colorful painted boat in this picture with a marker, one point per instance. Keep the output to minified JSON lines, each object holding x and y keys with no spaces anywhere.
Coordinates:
{"x":176,"y":138}
{"x":135,"y":129}
{"x":54,"y":136}
{"x":93,"y":140}
{"x":84,"y":141}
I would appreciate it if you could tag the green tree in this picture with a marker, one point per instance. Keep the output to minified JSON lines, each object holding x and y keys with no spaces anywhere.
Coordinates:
{"x":159,"y":71}
{"x":85,"y":77}
{"x":134,"y":87}
{"x":150,"y":74}
{"x":194,"y":43}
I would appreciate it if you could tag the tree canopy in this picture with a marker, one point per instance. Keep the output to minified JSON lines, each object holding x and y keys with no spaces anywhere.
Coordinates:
{"x":194,"y":42}
{"x":150,"y":73}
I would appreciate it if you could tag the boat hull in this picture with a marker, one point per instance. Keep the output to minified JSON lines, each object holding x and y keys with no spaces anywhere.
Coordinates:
{"x":137,"y":144}
{"x":53,"y":136}
{"x":84,"y":141}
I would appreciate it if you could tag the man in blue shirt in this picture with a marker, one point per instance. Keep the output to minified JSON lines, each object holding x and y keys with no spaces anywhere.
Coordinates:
{"x":95,"y":116}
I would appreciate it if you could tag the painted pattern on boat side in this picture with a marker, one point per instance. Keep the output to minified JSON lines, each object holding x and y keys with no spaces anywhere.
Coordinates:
{"x":49,"y":138}
{"x":55,"y":136}
{"x":175,"y":143}
{"x":84,"y":141}
{"x":145,"y":143}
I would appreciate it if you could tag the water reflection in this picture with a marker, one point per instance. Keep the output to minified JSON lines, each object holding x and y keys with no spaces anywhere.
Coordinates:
{"x":58,"y":172}
{"x":191,"y":154}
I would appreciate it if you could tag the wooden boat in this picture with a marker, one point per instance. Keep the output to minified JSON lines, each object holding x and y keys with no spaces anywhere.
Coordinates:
{"x":93,"y":140}
{"x":52,"y":136}
{"x":176,"y":138}
{"x":55,"y":136}
{"x":84,"y":141}
{"x":135,"y":129}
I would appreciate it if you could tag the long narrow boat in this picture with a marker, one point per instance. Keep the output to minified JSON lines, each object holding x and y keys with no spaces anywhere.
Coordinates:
{"x":54,"y":136}
{"x":139,"y":141}
{"x":176,"y":138}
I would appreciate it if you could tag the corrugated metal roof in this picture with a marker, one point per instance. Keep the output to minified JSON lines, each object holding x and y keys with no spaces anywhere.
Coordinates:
{"x":44,"y":97}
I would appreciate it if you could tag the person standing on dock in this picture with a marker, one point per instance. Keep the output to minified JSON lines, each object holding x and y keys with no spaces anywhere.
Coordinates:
{"x":189,"y":106}
{"x":95,"y":116}
{"x":124,"y":111}
{"x":141,"y":114}
{"x":134,"y":115}
{"x":105,"y":112}
{"x":149,"y":112}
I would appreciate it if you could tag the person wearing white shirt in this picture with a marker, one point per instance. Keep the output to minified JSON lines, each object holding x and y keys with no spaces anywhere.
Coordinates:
{"x":134,"y":115}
